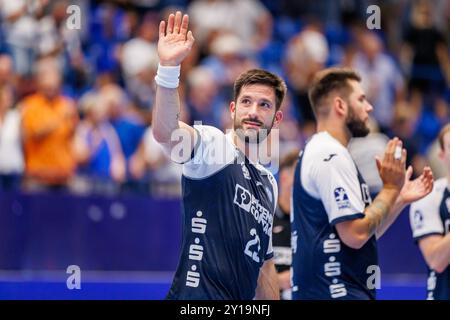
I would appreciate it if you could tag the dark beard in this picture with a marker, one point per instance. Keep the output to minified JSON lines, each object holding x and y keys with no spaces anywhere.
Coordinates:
{"x":260,"y":136}
{"x":357,"y":128}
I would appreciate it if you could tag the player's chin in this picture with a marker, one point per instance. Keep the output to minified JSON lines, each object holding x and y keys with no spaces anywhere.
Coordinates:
{"x":251,"y":135}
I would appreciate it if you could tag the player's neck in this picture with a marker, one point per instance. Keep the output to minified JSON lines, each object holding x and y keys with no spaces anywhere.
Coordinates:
{"x":335,"y":131}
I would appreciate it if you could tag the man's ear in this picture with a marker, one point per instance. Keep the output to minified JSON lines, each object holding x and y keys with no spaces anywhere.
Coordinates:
{"x":278,"y":118}
{"x":232,"y":109}
{"x":340,"y":106}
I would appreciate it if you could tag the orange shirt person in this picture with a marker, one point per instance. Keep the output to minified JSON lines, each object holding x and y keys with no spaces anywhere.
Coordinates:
{"x":48,"y":124}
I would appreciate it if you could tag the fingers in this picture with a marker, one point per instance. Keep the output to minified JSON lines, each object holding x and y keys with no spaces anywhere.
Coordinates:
{"x":162,"y":29}
{"x":409,"y":173}
{"x":177,"y":23}
{"x":398,"y":151}
{"x":389,"y":151}
{"x":427,"y":171}
{"x":378,"y":162}
{"x":184,"y":25}
{"x":392,"y":168}
{"x":403,"y":160}
{"x":170,"y":23}
{"x":427,"y":178}
{"x":190,"y":39}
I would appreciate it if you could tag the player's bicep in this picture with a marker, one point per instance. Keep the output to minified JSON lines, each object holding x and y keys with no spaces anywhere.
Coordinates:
{"x":433,"y":256}
{"x":427,"y":245}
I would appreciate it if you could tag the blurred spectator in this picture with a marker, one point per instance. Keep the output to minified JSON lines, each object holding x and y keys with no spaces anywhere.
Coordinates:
{"x":105,"y":38}
{"x":127,"y":122}
{"x":228,"y":59}
{"x":20,"y":29}
{"x":64,"y":44}
{"x":364,"y":157}
{"x":48,"y":125}
{"x":406,"y":117}
{"x":381,"y":79}
{"x":11,"y":157}
{"x":202,"y":100}
{"x":291,"y":136}
{"x":139,"y":60}
{"x":306,"y":54}
{"x":97,"y":145}
{"x":6,"y":70}
{"x":248,"y":19}
{"x":151,"y":160}
{"x":425,"y":53}
{"x":332,"y":11}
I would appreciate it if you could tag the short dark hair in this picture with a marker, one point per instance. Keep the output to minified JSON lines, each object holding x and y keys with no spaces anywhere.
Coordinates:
{"x":442,"y":133}
{"x":259,"y":76}
{"x":327,"y":81}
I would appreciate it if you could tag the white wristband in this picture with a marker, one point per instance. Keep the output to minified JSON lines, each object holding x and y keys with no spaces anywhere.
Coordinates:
{"x":168,"y":76}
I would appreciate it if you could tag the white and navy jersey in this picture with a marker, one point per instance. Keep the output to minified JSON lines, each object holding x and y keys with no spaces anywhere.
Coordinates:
{"x":431,"y":216}
{"x":228,"y":207}
{"x":328,"y":189}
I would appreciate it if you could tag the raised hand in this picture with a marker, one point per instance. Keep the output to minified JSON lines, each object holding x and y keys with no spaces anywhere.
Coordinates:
{"x":175,"y":41}
{"x":418,"y":188}
{"x":392,"y":170}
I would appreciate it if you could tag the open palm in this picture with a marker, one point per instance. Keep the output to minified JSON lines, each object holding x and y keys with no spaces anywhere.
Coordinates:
{"x":175,"y":41}
{"x":418,"y":188}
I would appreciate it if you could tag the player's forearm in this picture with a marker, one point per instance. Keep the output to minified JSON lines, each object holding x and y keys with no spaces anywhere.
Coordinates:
{"x":381,"y":211}
{"x":166,"y":114}
{"x":396,"y":209}
{"x":267,"y":288}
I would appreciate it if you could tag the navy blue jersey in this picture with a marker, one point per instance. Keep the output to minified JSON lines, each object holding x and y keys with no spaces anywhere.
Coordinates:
{"x":328,"y":189}
{"x":228,"y":206}
{"x":282,"y":253}
{"x":431,"y":216}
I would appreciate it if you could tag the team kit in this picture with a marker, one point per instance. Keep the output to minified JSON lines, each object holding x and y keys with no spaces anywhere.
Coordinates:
{"x":230,"y":199}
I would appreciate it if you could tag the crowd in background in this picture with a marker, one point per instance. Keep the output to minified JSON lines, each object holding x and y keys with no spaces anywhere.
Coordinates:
{"x":75,"y":104}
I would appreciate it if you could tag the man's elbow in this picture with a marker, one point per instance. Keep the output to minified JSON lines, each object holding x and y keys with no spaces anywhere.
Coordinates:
{"x":354,"y":240}
{"x":438,"y":265}
{"x":352,"y":235}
